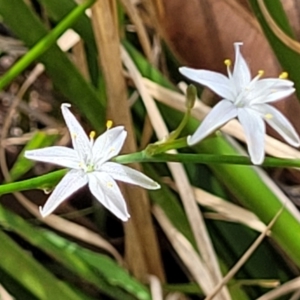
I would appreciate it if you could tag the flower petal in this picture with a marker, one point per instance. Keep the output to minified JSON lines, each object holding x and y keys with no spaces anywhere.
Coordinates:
{"x":80,"y":140}
{"x":217,"y":82}
{"x":129,"y":175}
{"x":218,"y":116}
{"x":254,"y":128}
{"x":70,"y":183}
{"x":241,"y":72}
{"x":107,"y":192}
{"x":58,"y":155}
{"x":109,"y":144}
{"x":273,"y":83}
{"x":280,"y":123}
{"x":270,"y":90}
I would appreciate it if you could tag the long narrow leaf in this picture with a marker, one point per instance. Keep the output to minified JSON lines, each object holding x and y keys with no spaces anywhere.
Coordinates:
{"x":30,"y":274}
{"x":65,"y":76}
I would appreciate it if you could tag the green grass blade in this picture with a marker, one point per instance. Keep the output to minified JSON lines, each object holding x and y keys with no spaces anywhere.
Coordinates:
{"x":57,"y":10}
{"x":43,"y":45}
{"x":25,"y":24}
{"x":20,"y":265}
{"x":97,"y":269}
{"x":288,"y":58}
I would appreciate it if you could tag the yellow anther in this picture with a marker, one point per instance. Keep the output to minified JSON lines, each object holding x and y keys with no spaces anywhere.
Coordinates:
{"x":109,"y":184}
{"x":92,"y":135}
{"x":74,"y":135}
{"x":227,"y":62}
{"x":268,"y":116}
{"x":261,"y":72}
{"x":109,"y":124}
{"x":112,"y":149}
{"x":284,"y":75}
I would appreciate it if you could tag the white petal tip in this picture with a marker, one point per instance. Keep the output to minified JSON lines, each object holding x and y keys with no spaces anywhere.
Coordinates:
{"x":238,"y":43}
{"x":43,"y":213}
{"x":26,"y":154}
{"x":295,"y":144}
{"x":257,"y":162}
{"x":191,"y":141}
{"x":125,"y":218}
{"x":155,"y":186}
{"x":184,"y":70}
{"x":65,"y":105}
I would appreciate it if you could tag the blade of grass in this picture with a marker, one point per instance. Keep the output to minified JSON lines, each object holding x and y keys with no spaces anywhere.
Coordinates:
{"x":30,"y":274}
{"x":288,"y":58}
{"x":44,"y":44}
{"x":22,"y":21}
{"x":95,"y":268}
{"x":57,"y":10}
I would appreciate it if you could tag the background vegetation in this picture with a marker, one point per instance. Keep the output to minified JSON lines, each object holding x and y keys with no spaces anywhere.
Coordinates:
{"x":218,"y":228}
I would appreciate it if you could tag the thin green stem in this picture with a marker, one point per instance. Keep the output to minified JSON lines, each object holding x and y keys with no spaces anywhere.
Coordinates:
{"x":161,"y":147}
{"x":143,"y":156}
{"x":50,"y":180}
{"x":41,"y":182}
{"x":44,"y":44}
{"x":191,"y":94}
{"x":176,"y":133}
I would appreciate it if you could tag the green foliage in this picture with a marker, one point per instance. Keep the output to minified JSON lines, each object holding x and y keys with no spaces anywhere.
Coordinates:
{"x":26,"y":25}
{"x":38,"y":263}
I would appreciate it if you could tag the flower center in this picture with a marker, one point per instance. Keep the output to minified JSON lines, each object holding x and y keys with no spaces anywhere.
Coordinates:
{"x":246,"y":95}
{"x":87,"y":167}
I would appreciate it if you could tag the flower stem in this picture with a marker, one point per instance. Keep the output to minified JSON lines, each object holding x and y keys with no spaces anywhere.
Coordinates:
{"x":50,"y":180}
{"x":144,"y":156}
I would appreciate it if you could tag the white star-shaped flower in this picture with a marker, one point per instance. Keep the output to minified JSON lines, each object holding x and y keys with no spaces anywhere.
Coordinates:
{"x":89,"y":164}
{"x":248,"y":100}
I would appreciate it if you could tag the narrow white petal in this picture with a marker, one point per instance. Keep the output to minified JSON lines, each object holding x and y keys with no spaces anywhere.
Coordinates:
{"x":218,"y":116}
{"x":280,"y":123}
{"x":217,"y":82}
{"x":254,"y":128}
{"x":109,"y":144}
{"x":129,"y":175}
{"x":241,"y":72}
{"x":273,"y":83}
{"x":80,"y":140}
{"x":58,"y":155}
{"x":270,"y":89}
{"x":107,"y":192}
{"x":70,"y":183}
{"x":275,"y":95}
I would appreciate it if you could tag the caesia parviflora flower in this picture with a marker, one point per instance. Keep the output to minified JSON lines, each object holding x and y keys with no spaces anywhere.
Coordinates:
{"x":248,"y":100}
{"x":89,"y":163}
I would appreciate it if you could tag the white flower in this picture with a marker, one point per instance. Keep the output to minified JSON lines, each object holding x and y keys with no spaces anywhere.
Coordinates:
{"x":88,"y":164}
{"x":246,"y":99}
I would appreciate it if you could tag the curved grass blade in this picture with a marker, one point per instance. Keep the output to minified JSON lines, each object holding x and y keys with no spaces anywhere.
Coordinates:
{"x":25,"y":24}
{"x":288,"y":58}
{"x":56,"y":10}
{"x":95,"y":268}
{"x":20,"y":265}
